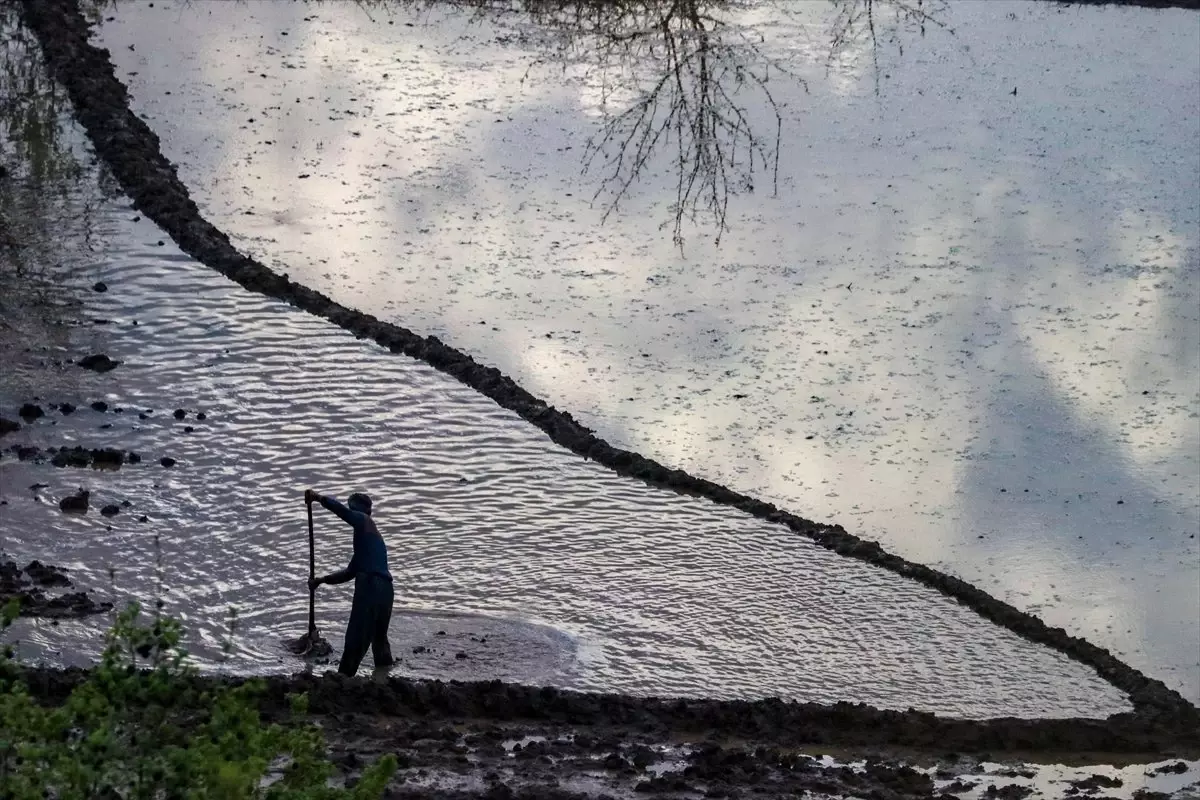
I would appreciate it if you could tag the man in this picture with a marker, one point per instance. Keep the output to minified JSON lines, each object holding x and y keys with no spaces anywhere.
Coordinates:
{"x":372,"y":609}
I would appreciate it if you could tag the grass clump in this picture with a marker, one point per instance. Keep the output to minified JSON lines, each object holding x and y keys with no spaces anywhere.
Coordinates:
{"x":139,"y":727}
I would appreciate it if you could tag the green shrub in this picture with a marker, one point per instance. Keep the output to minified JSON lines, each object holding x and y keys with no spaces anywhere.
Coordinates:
{"x":140,"y":727}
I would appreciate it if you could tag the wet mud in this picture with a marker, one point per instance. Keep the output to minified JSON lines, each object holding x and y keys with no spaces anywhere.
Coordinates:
{"x":27,"y":585}
{"x":499,"y":740}
{"x":311,"y":645}
{"x":78,"y":457}
{"x":131,"y":149}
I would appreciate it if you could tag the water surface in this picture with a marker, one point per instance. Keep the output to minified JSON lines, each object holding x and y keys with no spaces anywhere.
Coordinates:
{"x":966,"y":325}
{"x":573,"y":576}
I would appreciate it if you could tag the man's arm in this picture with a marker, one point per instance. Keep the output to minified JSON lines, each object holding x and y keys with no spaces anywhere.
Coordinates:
{"x":341,"y":576}
{"x":353,"y":518}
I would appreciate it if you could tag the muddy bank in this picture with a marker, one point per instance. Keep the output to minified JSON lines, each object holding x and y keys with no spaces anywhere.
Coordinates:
{"x":27,"y":585}
{"x":132,"y":151}
{"x":427,"y":709}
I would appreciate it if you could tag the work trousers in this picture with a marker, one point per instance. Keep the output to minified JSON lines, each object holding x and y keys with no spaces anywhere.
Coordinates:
{"x":370,"y":616}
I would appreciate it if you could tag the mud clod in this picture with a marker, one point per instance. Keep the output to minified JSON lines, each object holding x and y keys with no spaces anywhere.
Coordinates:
{"x":167,"y":461}
{"x":110,"y":510}
{"x":100,"y":286}
{"x":26,"y":587}
{"x":1178,"y":768}
{"x":100,"y":405}
{"x":98,"y":362}
{"x":76,"y":503}
{"x":1095,"y":782}
{"x":7,"y":426}
{"x":98,"y":457}
{"x":180,"y":413}
{"x":30,"y":411}
{"x":44,"y":574}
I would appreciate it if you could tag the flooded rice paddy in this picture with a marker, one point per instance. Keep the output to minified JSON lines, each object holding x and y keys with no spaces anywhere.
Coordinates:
{"x":518,"y":560}
{"x":536,"y":565}
{"x":963,"y":324}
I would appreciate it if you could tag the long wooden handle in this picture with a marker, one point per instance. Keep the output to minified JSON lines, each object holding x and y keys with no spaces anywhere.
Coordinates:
{"x":312,"y":573}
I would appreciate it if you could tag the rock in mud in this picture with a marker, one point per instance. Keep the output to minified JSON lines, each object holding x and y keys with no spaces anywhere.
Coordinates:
{"x":98,"y":362}
{"x":100,"y":286}
{"x":1012,"y":791}
{"x":76,"y":503}
{"x":67,"y":408}
{"x":100,"y":405}
{"x":7,"y":426}
{"x":30,"y":411}
{"x":110,"y":510}
{"x":167,"y":461}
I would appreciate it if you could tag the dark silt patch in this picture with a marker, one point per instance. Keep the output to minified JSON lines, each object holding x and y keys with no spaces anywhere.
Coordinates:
{"x":27,"y":586}
{"x":131,"y":149}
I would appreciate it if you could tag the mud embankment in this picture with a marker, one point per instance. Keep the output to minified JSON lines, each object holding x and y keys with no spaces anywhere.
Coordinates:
{"x":769,"y":721}
{"x":131,"y":150}
{"x":495,"y":741}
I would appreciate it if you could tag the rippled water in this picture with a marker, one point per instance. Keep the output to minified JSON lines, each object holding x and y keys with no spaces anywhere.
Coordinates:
{"x":573,"y":575}
{"x":966,"y":327}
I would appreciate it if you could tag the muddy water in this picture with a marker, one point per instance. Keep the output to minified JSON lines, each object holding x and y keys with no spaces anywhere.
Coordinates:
{"x":535,"y":565}
{"x":965,"y":327}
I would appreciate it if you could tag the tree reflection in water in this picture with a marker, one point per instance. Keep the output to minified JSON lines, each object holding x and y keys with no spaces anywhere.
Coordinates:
{"x":686,"y":79}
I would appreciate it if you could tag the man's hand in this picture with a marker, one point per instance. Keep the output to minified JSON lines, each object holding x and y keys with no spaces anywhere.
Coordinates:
{"x":313,"y":583}
{"x":311,"y":497}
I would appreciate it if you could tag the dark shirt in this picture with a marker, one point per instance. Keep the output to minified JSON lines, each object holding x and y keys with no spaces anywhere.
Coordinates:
{"x":370,"y":553}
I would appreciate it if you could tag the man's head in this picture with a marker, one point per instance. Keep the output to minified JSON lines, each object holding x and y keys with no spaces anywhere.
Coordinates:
{"x":359,"y":502}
